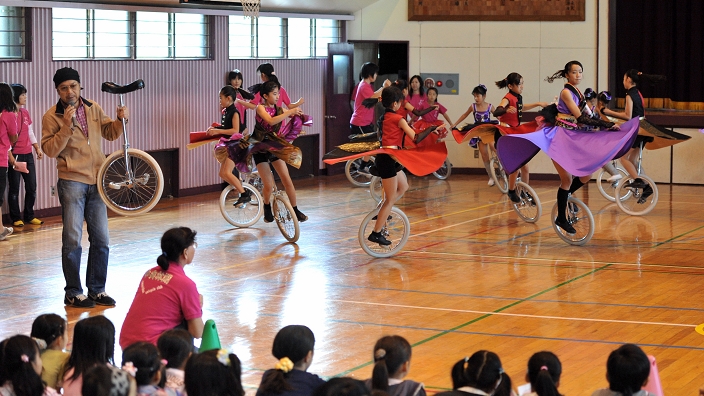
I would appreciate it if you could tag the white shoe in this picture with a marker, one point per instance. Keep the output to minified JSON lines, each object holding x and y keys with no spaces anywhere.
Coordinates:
{"x":614,"y":178}
{"x":491,"y":182}
{"x":5,"y":232}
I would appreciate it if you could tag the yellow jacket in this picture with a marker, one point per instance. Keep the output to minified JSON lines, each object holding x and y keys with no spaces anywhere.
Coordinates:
{"x":78,"y":158}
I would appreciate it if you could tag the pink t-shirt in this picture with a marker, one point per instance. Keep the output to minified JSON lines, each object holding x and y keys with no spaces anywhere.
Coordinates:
{"x":24,"y":144}
{"x":283,"y":98}
{"x":8,"y":127}
{"x":418,"y":101}
{"x":163,"y":301}
{"x":362,"y":116}
{"x":433,"y":115}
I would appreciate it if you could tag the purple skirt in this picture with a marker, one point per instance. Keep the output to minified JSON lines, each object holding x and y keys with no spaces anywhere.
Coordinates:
{"x":580,"y":153}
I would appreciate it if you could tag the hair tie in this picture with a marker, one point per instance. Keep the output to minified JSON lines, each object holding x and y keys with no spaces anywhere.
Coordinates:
{"x":224,"y":357}
{"x":483,"y":86}
{"x":164,"y":362}
{"x":639,"y":73}
{"x":130,"y":368}
{"x":40,"y":343}
{"x":544,"y":368}
{"x":24,"y":358}
{"x":273,"y":73}
{"x":379,"y":354}
{"x":284,"y":364}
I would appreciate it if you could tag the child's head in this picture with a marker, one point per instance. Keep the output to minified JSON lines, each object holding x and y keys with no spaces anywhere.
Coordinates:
{"x":482,"y":370}
{"x":7,"y":101}
{"x":51,"y":330}
{"x":514,"y":82}
{"x":93,"y":343}
{"x":369,"y":70}
{"x":401,"y":84}
{"x":342,"y":386}
{"x":293,"y":346}
{"x":19,"y":94}
{"x":391,"y":97}
{"x":176,"y":245}
{"x":176,"y":347}
{"x":228,"y":94}
{"x":572,"y":72}
{"x":145,"y":358}
{"x":270,"y":92}
{"x":604,"y":98}
{"x":544,"y":370}
{"x":104,"y":380}
{"x":432,"y":94}
{"x":214,"y":372}
{"x":505,"y":386}
{"x":590,"y":96}
{"x":479,"y":93}
{"x":633,"y":78}
{"x":392,"y":358}
{"x":266,"y":72}
{"x":21,"y":364}
{"x":417,"y":85}
{"x":234,"y":78}
{"x":627,"y":369}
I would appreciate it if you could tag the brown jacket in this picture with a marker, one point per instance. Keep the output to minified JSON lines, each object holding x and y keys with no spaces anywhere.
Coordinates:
{"x":78,"y":158}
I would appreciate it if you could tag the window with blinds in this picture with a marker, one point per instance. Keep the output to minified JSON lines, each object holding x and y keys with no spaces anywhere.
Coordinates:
{"x":13,"y":33}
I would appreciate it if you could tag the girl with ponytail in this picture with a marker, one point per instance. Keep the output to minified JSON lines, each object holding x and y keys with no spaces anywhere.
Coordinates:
{"x":293,"y":346}
{"x":166,"y":298}
{"x":21,"y":368}
{"x":544,"y":370}
{"x":479,"y":375}
{"x":392,"y":361}
{"x":266,"y":73}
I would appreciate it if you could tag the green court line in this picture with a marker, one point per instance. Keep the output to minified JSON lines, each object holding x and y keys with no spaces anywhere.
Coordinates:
{"x":475,"y":320}
{"x":677,"y":237}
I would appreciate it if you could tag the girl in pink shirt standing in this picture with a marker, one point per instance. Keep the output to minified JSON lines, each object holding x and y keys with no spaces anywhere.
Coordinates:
{"x":362,"y":120}
{"x":8,"y":137}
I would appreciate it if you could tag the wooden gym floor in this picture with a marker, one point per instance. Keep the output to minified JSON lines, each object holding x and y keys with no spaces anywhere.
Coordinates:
{"x":472,"y":276}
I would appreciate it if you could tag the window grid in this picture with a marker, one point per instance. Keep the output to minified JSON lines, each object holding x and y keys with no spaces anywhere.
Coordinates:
{"x":13,"y":33}
{"x":177,"y":32}
{"x":321,"y":32}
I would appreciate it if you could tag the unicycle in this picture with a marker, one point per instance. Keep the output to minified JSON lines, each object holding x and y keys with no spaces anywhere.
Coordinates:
{"x":529,"y":208}
{"x":580,"y":217}
{"x":281,"y":208}
{"x":397,"y":229}
{"x":637,"y":201}
{"x":243,"y":215}
{"x":498,"y":173}
{"x":130,"y":181}
{"x":444,"y":171}
{"x":607,"y":188}
{"x":355,"y":174}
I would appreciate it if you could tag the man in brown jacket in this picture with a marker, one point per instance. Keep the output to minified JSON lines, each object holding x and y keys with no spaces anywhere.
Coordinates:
{"x":72,"y":132}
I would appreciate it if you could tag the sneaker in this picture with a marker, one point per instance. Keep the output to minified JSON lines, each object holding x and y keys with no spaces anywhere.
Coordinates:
{"x":5,"y":232}
{"x":376,"y":237}
{"x":268,"y":216}
{"x":364,"y":167}
{"x":637,"y":183}
{"x":647,"y":192}
{"x":300,"y":216}
{"x":245,"y":197}
{"x":491,"y":182}
{"x":79,"y":301}
{"x":614,"y":178}
{"x":18,"y":223}
{"x":35,"y":221}
{"x":102,"y":299}
{"x":565,"y":226}
{"x":513,"y":196}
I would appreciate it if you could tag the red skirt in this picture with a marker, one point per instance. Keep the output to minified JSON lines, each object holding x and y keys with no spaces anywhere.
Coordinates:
{"x":420,"y":161}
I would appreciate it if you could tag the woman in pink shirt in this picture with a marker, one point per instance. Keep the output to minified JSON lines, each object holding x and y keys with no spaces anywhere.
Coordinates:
{"x":166,"y":298}
{"x":8,"y":137}
{"x":266,"y":72}
{"x":363,"y":117}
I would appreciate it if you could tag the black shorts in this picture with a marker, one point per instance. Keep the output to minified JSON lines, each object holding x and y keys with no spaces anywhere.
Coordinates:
{"x":264,"y":157}
{"x":356,"y":130}
{"x":386,"y":166}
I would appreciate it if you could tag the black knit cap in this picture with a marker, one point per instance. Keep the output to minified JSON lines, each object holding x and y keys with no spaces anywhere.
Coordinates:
{"x":65,"y":74}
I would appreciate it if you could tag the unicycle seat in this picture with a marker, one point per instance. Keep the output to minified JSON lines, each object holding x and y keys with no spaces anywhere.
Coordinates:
{"x":111,"y":87}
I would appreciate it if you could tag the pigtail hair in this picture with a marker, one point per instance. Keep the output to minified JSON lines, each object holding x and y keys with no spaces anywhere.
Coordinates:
{"x":380,"y":376}
{"x":502,"y":83}
{"x":558,"y":74}
{"x":544,"y":385}
{"x":458,"y":374}
{"x":245,"y":94}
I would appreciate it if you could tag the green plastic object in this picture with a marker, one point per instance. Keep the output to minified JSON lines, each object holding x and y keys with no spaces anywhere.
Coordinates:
{"x":210,"y":340}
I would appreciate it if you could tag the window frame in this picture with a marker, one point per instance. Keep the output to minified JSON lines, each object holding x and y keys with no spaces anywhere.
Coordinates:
{"x":26,"y":37}
{"x":132,"y":35}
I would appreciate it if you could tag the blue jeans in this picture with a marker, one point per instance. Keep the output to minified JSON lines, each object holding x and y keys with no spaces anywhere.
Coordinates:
{"x":79,"y":202}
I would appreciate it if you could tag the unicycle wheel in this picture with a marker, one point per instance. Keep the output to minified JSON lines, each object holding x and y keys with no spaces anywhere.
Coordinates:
{"x":131,"y":194}
{"x":397,"y":229}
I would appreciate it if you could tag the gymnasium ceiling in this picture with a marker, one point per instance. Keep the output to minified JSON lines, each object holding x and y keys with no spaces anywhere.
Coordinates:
{"x":340,"y":7}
